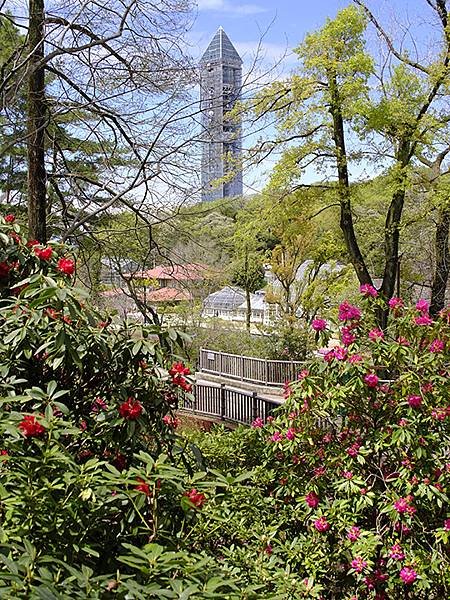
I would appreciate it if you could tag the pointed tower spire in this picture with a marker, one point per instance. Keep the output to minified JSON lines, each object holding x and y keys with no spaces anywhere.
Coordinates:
{"x":220,"y":48}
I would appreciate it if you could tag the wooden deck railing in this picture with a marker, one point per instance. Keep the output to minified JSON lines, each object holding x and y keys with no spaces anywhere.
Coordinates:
{"x":248,"y":368}
{"x":228,"y":404}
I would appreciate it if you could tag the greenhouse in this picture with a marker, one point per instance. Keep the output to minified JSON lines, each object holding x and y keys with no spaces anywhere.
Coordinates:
{"x":224,"y":302}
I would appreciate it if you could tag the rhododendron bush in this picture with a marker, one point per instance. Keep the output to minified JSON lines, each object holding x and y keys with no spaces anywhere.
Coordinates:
{"x":351,"y":496}
{"x":91,"y":489}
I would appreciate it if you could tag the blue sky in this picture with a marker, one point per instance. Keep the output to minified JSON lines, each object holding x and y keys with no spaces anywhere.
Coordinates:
{"x":284,"y":22}
{"x":282,"y":26}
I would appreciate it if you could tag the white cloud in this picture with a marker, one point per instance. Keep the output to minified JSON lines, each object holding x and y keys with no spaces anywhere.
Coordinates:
{"x":230,"y":7}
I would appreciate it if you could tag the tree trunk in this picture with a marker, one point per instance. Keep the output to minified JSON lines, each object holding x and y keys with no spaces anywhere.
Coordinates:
{"x":346,"y":221}
{"x":37,"y":217}
{"x":442,"y":269}
{"x":248,"y":312}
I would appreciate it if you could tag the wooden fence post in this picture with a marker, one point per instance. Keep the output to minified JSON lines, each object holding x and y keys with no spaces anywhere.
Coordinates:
{"x":254,"y":405}
{"x":222,"y":401}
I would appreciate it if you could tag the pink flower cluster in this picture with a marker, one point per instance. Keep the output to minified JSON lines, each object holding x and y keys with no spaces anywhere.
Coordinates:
{"x":347,"y":335}
{"x":358,"y":564}
{"x":414,"y":401}
{"x":368,"y":290}
{"x":376,"y":334}
{"x":312,"y":500}
{"x":319,"y":324}
{"x":321,"y":524}
{"x":408,"y":575}
{"x":348,"y":312}
{"x":403,"y":505}
{"x":371,"y":380}
{"x":354,"y":533}
{"x":396,"y":552}
{"x":395,"y":303}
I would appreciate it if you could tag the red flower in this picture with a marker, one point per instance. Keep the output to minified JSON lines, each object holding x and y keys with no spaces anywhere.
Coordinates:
{"x":131,"y":409}
{"x":32,"y":243}
{"x":197,"y":498}
{"x":181,"y":382}
{"x":66,"y":266}
{"x":4,"y":269}
{"x":30,"y":427}
{"x":10,"y":218}
{"x":15,"y":236}
{"x":44,"y":253}
{"x":143,"y":487}
{"x":178,"y":369}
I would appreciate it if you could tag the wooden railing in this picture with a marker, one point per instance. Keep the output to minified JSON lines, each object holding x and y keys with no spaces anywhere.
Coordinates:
{"x":228,"y":404}
{"x":248,"y":368}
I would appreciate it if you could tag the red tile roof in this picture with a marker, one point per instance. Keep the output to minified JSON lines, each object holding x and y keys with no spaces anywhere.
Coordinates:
{"x":168,"y":294}
{"x":188,"y":272}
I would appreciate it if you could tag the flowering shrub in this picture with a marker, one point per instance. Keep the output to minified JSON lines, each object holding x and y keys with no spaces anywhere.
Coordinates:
{"x":350,"y":499}
{"x":371,"y":456}
{"x":91,"y":491}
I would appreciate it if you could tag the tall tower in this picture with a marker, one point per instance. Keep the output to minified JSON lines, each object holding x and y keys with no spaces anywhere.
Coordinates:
{"x":220,"y":88}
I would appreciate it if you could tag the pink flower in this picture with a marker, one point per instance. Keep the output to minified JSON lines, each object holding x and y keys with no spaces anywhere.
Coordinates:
{"x":347,"y":312}
{"x":439,"y":414}
{"x":353,"y":450}
{"x":426,"y":387}
{"x":277,"y":437}
{"x":328,"y":356}
{"x":408,"y":575}
{"x":340,"y":353}
{"x":312,"y":500}
{"x":170,"y":421}
{"x":396,"y":552}
{"x":354,"y":359}
{"x":353,"y":533}
{"x":368,"y":290}
{"x":290,"y":433}
{"x":395,"y":303}
{"x":423,"y":320}
{"x":319,"y":324}
{"x":422,"y":306}
{"x":358,"y":564}
{"x":347,"y":474}
{"x":321,"y":524}
{"x":9,"y":218}
{"x":414,"y":401}
{"x":402,"y":341}
{"x":258,"y":423}
{"x":437,"y":346}
{"x":403,"y":422}
{"x":376,"y":334}
{"x":447,"y":524}
{"x":303,"y":374}
{"x":319,"y":471}
{"x":371,"y":380}
{"x":347,"y":336}
{"x":403,"y":505}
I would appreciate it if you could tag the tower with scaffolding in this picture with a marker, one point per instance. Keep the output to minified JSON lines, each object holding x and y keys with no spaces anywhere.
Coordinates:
{"x":220,"y":90}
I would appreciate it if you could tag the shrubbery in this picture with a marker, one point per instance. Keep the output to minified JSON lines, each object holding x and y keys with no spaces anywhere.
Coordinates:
{"x":350,"y":499}
{"x":93,"y":500}
{"x":344,"y":494}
